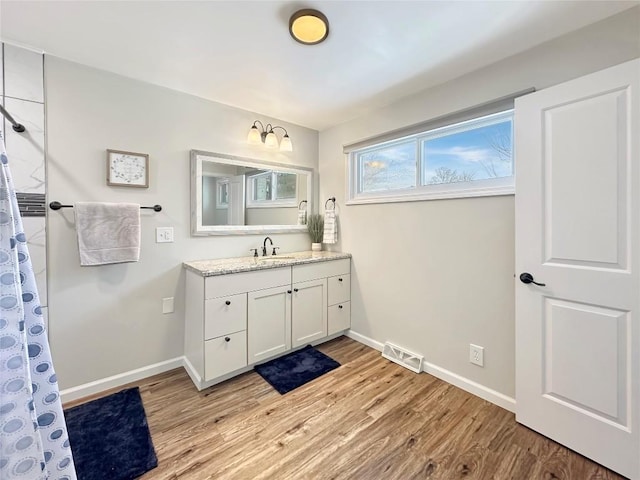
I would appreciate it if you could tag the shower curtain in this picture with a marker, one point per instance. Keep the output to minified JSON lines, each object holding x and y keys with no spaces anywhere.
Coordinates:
{"x":33,"y":436}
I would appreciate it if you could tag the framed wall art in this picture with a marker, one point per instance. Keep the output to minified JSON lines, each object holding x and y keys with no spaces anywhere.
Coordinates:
{"x":127,"y":169}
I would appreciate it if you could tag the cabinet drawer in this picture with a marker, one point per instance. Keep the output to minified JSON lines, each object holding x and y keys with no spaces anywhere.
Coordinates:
{"x":225,"y":315}
{"x":339,"y":317}
{"x":223,"y":356}
{"x":311,"y":271}
{"x":339,"y":289}
{"x":225,"y":285}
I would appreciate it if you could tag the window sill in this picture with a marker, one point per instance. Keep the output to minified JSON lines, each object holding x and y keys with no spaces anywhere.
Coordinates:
{"x":439,"y":195}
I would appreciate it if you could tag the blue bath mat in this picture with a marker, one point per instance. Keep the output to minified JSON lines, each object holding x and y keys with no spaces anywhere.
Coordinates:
{"x":110,"y":438}
{"x":295,"y":369}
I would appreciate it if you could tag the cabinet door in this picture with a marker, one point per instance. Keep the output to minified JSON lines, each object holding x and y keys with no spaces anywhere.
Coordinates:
{"x":309,"y":311}
{"x":268,"y":323}
{"x":225,"y":315}
{"x":339,"y":318}
{"x":339,"y":289}
{"x":223,"y":355}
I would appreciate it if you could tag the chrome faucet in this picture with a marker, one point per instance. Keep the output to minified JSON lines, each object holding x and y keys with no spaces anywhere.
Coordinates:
{"x":264,"y":246}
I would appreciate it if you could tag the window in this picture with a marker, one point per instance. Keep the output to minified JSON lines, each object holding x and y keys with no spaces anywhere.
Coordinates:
{"x":469,"y":158}
{"x":222,"y":195}
{"x":268,"y":189}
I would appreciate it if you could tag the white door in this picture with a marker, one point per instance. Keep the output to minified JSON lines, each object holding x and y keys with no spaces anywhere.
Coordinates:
{"x":236,"y":197}
{"x":577,"y":232}
{"x":268,"y":323}
{"x":309,"y":311}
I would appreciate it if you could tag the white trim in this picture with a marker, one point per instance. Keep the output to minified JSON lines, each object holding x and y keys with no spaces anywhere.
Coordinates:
{"x":191,"y":371}
{"x":114,"y":381}
{"x":486,"y":393}
{"x":460,"y":193}
{"x":369,"y":342}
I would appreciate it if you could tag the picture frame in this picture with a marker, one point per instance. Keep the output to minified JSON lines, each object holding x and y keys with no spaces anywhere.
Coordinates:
{"x":127,"y":169}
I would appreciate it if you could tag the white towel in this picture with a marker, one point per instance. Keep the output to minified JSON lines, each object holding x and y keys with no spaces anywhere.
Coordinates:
{"x":302,"y":217}
{"x":107,"y":232}
{"x":330,"y":227}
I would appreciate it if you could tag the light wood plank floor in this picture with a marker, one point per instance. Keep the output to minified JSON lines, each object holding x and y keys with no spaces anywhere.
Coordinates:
{"x":369,"y":419}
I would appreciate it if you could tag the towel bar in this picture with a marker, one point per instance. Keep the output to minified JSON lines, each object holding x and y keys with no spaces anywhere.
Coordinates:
{"x":58,"y":206}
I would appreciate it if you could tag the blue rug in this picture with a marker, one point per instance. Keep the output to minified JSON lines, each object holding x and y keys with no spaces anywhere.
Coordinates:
{"x":110,"y":438}
{"x":295,"y":369}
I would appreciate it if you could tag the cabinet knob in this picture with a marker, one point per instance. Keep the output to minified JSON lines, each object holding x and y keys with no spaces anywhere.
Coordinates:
{"x":339,"y":279}
{"x":295,"y":289}
{"x":340,"y":306}
{"x":288,"y":291}
{"x":228,"y":302}
{"x":227,"y":339}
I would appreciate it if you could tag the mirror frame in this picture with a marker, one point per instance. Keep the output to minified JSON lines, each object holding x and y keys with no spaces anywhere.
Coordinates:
{"x":197,"y":229}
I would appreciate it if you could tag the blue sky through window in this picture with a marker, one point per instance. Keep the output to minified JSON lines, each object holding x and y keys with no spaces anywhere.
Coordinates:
{"x":475,"y":154}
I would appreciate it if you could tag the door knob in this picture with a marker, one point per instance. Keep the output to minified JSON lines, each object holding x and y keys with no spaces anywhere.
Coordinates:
{"x":227,"y":302}
{"x":295,"y":289}
{"x":528,"y":278}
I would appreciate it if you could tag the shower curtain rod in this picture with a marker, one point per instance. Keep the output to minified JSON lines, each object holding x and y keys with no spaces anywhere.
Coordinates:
{"x":58,"y":206}
{"x":18,"y":127}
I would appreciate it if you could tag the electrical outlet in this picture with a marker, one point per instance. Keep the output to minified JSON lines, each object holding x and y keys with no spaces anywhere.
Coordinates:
{"x":164,"y":234}
{"x":476,"y":355}
{"x":167,"y":305}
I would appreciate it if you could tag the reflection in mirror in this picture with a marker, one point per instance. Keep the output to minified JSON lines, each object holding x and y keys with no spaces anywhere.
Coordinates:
{"x":233,"y":195}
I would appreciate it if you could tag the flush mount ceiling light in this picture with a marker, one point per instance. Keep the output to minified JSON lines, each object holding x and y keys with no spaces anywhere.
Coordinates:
{"x":308,"y":26}
{"x":267,"y":136}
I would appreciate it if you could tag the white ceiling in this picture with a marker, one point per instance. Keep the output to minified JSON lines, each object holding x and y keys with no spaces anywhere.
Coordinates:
{"x":240,"y":52}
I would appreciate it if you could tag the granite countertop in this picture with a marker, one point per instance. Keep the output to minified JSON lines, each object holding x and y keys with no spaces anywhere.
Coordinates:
{"x":224,"y":266}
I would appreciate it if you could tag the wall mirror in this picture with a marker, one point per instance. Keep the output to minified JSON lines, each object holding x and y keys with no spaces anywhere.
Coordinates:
{"x":233,"y":195}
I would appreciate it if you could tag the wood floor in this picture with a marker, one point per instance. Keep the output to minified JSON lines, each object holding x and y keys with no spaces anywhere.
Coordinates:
{"x":369,"y":419}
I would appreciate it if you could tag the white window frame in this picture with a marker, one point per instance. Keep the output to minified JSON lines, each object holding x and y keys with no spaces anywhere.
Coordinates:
{"x":475,"y":188}
{"x":273,"y":202}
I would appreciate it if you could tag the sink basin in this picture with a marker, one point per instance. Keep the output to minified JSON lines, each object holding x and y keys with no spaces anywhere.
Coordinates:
{"x":274,"y":258}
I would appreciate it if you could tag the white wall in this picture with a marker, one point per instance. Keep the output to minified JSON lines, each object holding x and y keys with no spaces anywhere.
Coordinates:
{"x":107,"y":320}
{"x":434,"y":276}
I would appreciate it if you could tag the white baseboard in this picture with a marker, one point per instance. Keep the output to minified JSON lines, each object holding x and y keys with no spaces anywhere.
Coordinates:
{"x":486,"y":393}
{"x":114,"y":381}
{"x":369,"y":342}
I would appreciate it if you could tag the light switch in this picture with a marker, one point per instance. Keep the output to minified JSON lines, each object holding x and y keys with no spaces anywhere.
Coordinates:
{"x":164,"y":234}
{"x":167,"y":305}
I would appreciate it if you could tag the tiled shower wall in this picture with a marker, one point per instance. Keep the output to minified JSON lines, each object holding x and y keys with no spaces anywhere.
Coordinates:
{"x":22,"y":90}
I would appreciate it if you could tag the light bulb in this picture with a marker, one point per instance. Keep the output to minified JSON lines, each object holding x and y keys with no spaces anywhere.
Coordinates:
{"x":254,"y":136}
{"x":271,"y":141}
{"x":285,"y":144}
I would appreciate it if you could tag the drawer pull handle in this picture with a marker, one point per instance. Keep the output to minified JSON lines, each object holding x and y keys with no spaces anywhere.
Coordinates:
{"x":288,"y":291}
{"x":227,"y":339}
{"x":339,"y":279}
{"x":228,"y":302}
{"x":340,"y":306}
{"x":295,"y":289}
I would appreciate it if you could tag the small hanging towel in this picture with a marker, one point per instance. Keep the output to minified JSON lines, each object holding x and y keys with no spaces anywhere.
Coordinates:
{"x":330,"y":227}
{"x":107,"y":232}
{"x":302,"y":217}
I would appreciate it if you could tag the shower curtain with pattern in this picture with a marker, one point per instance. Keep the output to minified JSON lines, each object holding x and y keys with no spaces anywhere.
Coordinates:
{"x":33,"y":436}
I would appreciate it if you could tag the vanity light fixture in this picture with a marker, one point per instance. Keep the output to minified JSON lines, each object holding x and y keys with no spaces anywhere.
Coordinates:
{"x":309,"y":26}
{"x":267,"y":136}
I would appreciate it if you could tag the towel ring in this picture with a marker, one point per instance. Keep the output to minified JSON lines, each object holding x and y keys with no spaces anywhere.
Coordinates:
{"x":300,"y":204}
{"x":331,"y":199}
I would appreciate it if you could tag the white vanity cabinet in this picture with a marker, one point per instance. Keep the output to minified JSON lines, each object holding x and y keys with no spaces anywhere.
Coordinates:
{"x":236,"y":320}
